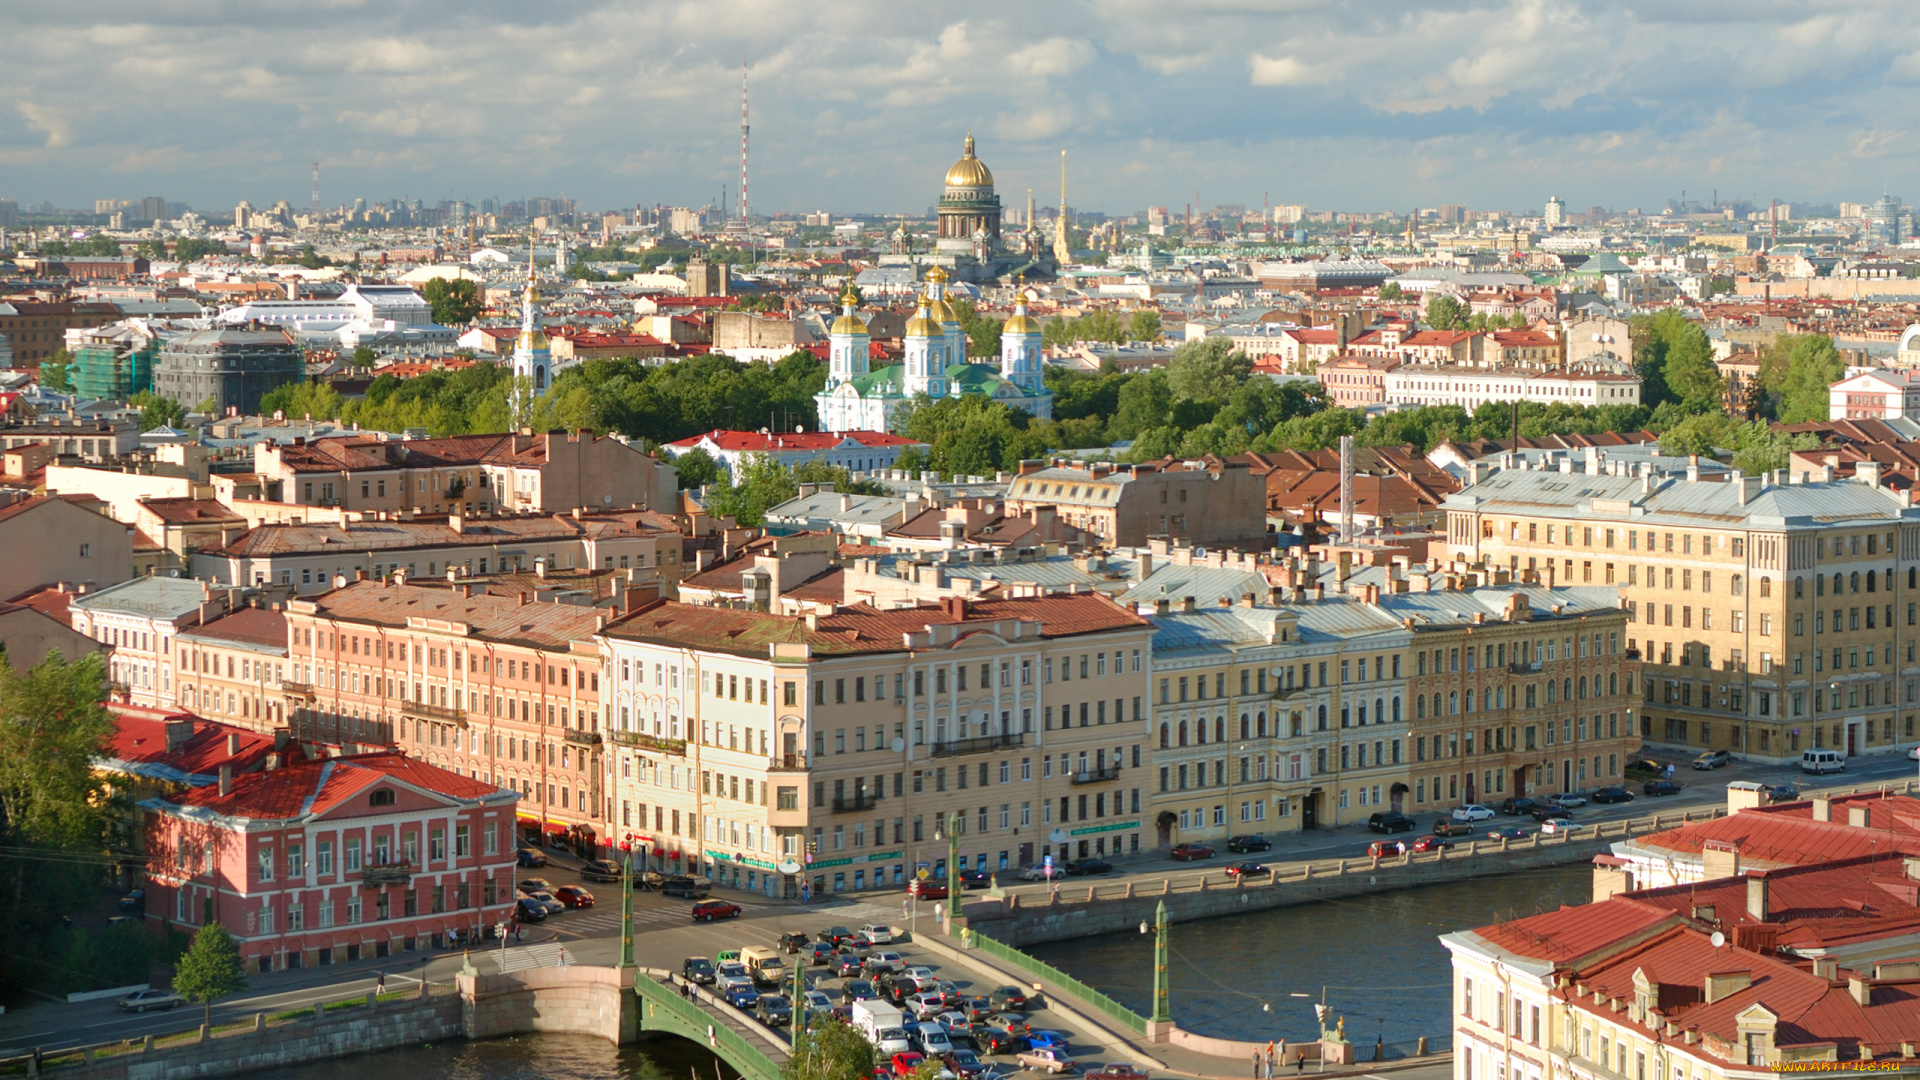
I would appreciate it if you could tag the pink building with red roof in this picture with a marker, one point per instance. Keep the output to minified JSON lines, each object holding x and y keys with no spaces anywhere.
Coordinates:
{"x":331,"y":860}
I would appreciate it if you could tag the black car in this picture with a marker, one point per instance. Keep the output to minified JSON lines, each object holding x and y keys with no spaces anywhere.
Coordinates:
{"x":601,"y":870}
{"x":1086,"y":867}
{"x":1009,"y":999}
{"x":697,"y":969}
{"x":530,"y":910}
{"x":1249,"y":870}
{"x":1390,"y":821}
{"x":1551,"y":813}
{"x":1242,"y":845}
{"x":528,"y":857}
{"x":773,"y":1010}
{"x":1614,"y":794}
{"x":819,"y":952}
{"x":974,"y":879}
{"x":835,"y":935}
{"x":995,"y":1041}
{"x":848,"y":963}
{"x":1644,"y":769}
{"x":1783,"y":793}
{"x":1518,"y":807}
{"x":794,"y":942}
{"x":856,"y":990}
{"x":1660,"y":787}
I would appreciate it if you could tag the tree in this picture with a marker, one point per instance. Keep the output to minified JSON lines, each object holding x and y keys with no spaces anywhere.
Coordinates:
{"x":911,"y":460}
{"x":1391,"y":291}
{"x":1144,"y":326}
{"x":1444,"y":313}
{"x":1797,"y":369}
{"x":698,"y":469}
{"x":157,"y":411}
{"x":211,"y":968}
{"x":312,"y":259}
{"x":830,"y":1051}
{"x":363,"y":356}
{"x":762,"y":482}
{"x":1690,"y":372}
{"x":1206,"y":370}
{"x":56,"y":371}
{"x":454,"y":303}
{"x":983,"y":334}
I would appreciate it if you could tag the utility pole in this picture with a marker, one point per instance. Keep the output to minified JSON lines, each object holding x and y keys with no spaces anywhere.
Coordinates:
{"x":746,"y":217}
{"x":626,"y":902}
{"x":316,"y":190}
{"x":953,"y":859}
{"x":1162,"y":1013}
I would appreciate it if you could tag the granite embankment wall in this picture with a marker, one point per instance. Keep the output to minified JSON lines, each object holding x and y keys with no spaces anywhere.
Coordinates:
{"x":1080,"y":910}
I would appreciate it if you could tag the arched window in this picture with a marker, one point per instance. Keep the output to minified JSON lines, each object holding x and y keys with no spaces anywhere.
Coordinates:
{"x":1453,"y":703}
{"x":1549,"y":691}
{"x":1200,"y":731}
{"x":1396,"y":710}
{"x":1420,"y":707}
{"x":1869,"y":581}
{"x":1839,"y":583}
{"x":1583,"y":688}
{"x":1246,"y":726}
{"x":1323,"y":718}
{"x":1219,"y":729}
{"x":1183,"y":733}
{"x":1165,"y":734}
{"x":1437,"y":706}
{"x":1566,"y":690}
{"x":1613,"y":683}
{"x":1260,"y":724}
{"x":1854,"y":581}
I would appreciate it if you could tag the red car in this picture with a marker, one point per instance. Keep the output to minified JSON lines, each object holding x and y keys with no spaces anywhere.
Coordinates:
{"x":905,"y":1062}
{"x":928,"y":890}
{"x":573,"y":896}
{"x":709,"y":910}
{"x":1190,"y":852}
{"x":1431,"y":843}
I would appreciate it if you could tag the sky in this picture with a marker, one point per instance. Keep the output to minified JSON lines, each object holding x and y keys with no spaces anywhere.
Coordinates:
{"x":860,"y":105}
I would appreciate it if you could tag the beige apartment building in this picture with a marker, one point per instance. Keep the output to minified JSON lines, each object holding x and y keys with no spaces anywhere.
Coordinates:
{"x":1206,"y":502}
{"x":832,"y":750}
{"x":554,"y":472}
{"x":231,"y":668}
{"x":1769,"y":618}
{"x":501,"y":689}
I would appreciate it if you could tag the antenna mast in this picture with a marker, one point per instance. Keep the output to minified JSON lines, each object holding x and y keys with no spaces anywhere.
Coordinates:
{"x":316,"y":189}
{"x":746,"y":217}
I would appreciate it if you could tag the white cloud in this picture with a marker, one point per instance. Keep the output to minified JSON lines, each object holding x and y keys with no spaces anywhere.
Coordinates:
{"x":1285,"y":71}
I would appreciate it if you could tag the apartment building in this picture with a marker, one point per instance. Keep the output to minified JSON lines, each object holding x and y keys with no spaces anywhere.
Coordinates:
{"x":328,"y":861}
{"x":50,"y":540}
{"x":1206,"y":502}
{"x":551,"y":473}
{"x":230,"y":668}
{"x":748,"y":742}
{"x":495,"y":688}
{"x":1471,"y":386}
{"x":311,"y":557}
{"x":88,"y":438}
{"x":1769,"y":618}
{"x":1875,"y":395}
{"x":138,"y":620}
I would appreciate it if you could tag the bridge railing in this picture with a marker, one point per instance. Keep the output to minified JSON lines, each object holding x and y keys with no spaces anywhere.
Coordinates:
{"x":658,"y":991}
{"x":1047,"y":973}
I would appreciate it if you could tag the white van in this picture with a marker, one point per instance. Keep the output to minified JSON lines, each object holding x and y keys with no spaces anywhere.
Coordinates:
{"x":1822,"y":761}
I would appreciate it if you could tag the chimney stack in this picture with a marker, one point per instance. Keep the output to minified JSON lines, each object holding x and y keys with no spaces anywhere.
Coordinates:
{"x":1757,"y":895}
{"x":233,"y":744}
{"x":1859,"y":816}
{"x":226,"y":779}
{"x":1822,"y":808}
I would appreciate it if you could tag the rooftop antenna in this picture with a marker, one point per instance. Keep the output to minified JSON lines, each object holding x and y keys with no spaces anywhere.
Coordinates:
{"x":1346,"y":489}
{"x":316,"y":189}
{"x":745,"y":216}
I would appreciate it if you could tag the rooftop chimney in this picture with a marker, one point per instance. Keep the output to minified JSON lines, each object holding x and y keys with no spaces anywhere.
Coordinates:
{"x":1822,"y":808}
{"x":233,"y":744}
{"x":1859,"y":816}
{"x":1860,"y":990}
{"x":1868,"y":473}
{"x":226,"y":779}
{"x":1757,"y":895}
{"x":1724,"y":984}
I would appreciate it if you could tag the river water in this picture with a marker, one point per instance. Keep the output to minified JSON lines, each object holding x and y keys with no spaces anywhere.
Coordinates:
{"x":530,"y":1057}
{"x":1377,"y":958}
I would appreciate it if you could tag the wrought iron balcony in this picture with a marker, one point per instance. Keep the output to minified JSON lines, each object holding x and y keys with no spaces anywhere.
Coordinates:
{"x":643,"y":741}
{"x":434,"y":712}
{"x":297,"y":689}
{"x":583,"y":738}
{"x":389,"y":874}
{"x":787,"y":763}
{"x":847,"y":804}
{"x":1095,"y":776}
{"x":978,"y":745}
{"x":1525,"y":667}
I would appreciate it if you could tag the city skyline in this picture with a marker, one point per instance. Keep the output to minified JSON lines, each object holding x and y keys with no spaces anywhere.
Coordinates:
{"x":859,"y":107}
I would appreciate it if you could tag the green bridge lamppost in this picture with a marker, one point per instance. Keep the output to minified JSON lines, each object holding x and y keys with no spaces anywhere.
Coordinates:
{"x":800,"y":1019}
{"x":1162,"y":1013}
{"x":626,"y":902}
{"x":953,"y":873}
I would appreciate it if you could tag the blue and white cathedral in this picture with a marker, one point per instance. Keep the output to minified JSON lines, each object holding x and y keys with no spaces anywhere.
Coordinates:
{"x":532,"y":355}
{"x":858,"y":398}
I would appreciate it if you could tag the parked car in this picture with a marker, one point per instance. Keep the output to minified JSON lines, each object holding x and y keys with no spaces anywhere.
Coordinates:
{"x":996,"y":1041}
{"x":932,"y":1039}
{"x":134,"y":901}
{"x":773,"y":1010}
{"x":534,"y":885}
{"x":1391,"y":821}
{"x":974,"y":879}
{"x":1089,"y":868}
{"x":925,"y":1006}
{"x":1449,"y":827}
{"x":1246,"y":845}
{"x":1783,"y":793}
{"x":1249,"y":870}
{"x":817,"y":1001}
{"x":601,"y":870}
{"x":1431,"y":843}
{"x":927,"y":889}
{"x":793,"y":942}
{"x":528,"y":858}
{"x":709,"y":910}
{"x":141,"y":1000}
{"x":1120,"y":1070}
{"x":1037,"y":872}
{"x":1545,"y":814}
{"x":1516,"y":807}
{"x":1660,"y":787}
{"x":573,"y":896}
{"x":1386,"y":849}
{"x":553,"y":906}
{"x":819,"y":952}
{"x":1471,"y":813}
{"x":878,"y":933}
{"x":1190,"y":851}
{"x":1612,"y":794}
{"x":975,"y":1007}
{"x":697,"y":970}
{"x":1568,"y":800}
{"x":1643,"y":769}
{"x":1508,"y":832}
{"x":848,"y":963}
{"x":530,"y":910}
{"x":882,"y":963}
{"x":1712,"y":759}
{"x":1012,"y":1023}
{"x":1046,"y":1059}
{"x":1008,"y":999}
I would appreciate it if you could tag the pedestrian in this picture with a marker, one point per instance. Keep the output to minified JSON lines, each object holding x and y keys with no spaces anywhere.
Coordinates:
{"x":1299,"y":1062}
{"x":1256,"y":1065}
{"x":1269,"y":1059}
{"x":380,"y":987}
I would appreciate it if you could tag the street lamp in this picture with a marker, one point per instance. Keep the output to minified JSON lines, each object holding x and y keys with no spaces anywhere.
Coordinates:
{"x":1162,"y":1013}
{"x":626,"y":901}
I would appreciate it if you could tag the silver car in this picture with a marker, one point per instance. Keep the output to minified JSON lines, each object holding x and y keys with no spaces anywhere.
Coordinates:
{"x":546,"y":901}
{"x":143,"y":1000}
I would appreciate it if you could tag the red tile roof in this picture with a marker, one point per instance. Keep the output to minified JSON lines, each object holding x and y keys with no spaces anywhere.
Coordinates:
{"x":313,"y":788}
{"x":250,"y":625}
{"x":759,"y":442}
{"x":497,"y":618}
{"x":139,"y":745}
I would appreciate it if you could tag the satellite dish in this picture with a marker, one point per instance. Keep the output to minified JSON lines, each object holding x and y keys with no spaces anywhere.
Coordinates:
{"x":1718,"y":939}
{"x":899,"y":745}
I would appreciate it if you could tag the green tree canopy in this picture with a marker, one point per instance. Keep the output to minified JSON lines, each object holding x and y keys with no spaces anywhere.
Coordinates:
{"x":1206,"y":370}
{"x":698,"y":469}
{"x":211,"y":968}
{"x":830,"y":1051}
{"x":1445,"y":313}
{"x":454,"y":303}
{"x":1796,"y":370}
{"x":157,"y":411}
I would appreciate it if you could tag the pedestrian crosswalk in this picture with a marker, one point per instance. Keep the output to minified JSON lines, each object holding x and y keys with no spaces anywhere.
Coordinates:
{"x":522,"y":957}
{"x":603,"y":920}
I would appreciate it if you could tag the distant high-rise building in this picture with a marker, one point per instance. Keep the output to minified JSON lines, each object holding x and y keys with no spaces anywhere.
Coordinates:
{"x":1883,"y":221}
{"x":153,"y":208}
{"x":1453,"y":213}
{"x":9,"y":214}
{"x":1556,"y":215}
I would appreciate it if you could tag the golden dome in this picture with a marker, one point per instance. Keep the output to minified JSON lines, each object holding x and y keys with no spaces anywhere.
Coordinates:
{"x":921,"y":325}
{"x":531,"y":341}
{"x":1020,"y":323}
{"x":937,"y":275}
{"x":942,"y":312}
{"x":969,"y":171}
{"x":848,"y":324}
{"x":849,"y":296}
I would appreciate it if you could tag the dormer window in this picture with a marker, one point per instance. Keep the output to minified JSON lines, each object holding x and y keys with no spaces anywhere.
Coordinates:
{"x":382,"y":797}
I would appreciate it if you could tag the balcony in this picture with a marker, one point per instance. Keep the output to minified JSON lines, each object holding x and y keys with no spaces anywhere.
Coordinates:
{"x":1528,"y":667}
{"x":444,"y":713}
{"x":389,"y":874}
{"x":642,"y":741}
{"x":1633,"y":654}
{"x":1095,"y":776}
{"x":978,"y":745}
{"x":297,"y":689}
{"x":848,"y":804}
{"x":583,"y":738}
{"x":787,"y":763}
